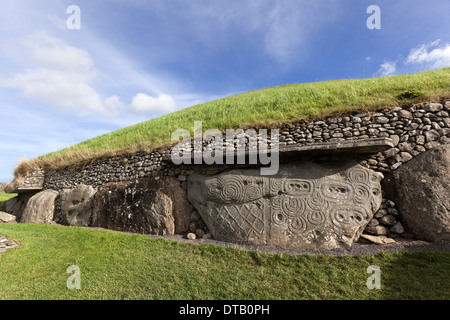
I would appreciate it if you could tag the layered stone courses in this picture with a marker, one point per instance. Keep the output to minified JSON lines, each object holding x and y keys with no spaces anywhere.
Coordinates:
{"x":412,"y":130}
{"x":404,"y":133}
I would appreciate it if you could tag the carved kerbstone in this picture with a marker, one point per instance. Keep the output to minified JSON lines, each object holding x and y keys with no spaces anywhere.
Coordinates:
{"x":304,"y":206}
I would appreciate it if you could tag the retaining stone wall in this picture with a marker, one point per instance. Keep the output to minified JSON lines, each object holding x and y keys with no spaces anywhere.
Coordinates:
{"x":413,"y":129}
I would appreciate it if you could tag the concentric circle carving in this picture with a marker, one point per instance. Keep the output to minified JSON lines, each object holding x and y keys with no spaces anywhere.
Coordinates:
{"x":298,"y":225}
{"x":292,"y":206}
{"x":316,"y":217}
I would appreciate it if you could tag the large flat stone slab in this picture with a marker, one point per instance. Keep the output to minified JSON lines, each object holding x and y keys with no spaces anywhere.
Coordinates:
{"x":33,"y":183}
{"x":304,"y":206}
{"x":310,"y":150}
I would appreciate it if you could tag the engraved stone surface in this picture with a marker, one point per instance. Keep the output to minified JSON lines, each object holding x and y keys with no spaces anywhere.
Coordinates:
{"x":304,"y":206}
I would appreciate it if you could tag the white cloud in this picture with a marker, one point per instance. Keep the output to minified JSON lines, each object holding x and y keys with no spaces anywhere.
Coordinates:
{"x":52,"y":53}
{"x":61,"y":76}
{"x":143,"y":103}
{"x":434,"y":55}
{"x":388,"y":68}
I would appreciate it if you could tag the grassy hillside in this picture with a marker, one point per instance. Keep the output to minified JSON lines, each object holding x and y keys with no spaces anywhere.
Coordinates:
{"x":122,"y":266}
{"x":262,"y":107}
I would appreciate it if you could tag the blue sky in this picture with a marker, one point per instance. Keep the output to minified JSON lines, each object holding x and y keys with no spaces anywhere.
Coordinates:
{"x":132,"y":61}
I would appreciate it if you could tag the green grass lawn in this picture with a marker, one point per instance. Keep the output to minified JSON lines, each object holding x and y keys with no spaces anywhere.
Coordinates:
{"x":5,"y":197}
{"x":122,"y":266}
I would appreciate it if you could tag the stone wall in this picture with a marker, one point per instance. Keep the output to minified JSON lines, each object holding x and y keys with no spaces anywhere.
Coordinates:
{"x":412,"y":130}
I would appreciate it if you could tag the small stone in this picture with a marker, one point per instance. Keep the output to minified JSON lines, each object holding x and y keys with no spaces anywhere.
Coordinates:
{"x":405,"y":146}
{"x":406,"y":156}
{"x":181,"y":177}
{"x":195,"y":216}
{"x":447,"y":105}
{"x":373,"y":132}
{"x":391,"y":152}
{"x":433,"y":107}
{"x":392,"y":211}
{"x":395,"y":139}
{"x":397,"y":228}
{"x":373,"y":223}
{"x":207,"y":236}
{"x":381,"y":120}
{"x":405,"y":114}
{"x":431,"y":135}
{"x":395,"y":166}
{"x":380,"y":213}
{"x":193,"y":227}
{"x":420,"y":140}
{"x":377,"y":230}
{"x":388,"y":220}
{"x":390,"y":203}
{"x":191,"y":236}
{"x":200,"y":233}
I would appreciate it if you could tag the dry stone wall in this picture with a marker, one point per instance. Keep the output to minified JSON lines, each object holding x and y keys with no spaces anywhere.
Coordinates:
{"x":413,"y":130}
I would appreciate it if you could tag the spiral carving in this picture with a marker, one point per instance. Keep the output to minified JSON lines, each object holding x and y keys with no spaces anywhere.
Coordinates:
{"x":362,"y":194}
{"x":360,"y":175}
{"x":232,"y":189}
{"x":252,"y":192}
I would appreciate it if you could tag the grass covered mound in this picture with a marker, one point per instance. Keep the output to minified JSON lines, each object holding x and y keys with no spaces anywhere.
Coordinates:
{"x":114,"y":265}
{"x":266,"y":107}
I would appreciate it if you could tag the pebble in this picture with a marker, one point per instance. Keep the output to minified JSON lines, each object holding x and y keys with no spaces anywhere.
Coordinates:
{"x":195,"y":216}
{"x":397,"y":228}
{"x":199,"y":233}
{"x":388,"y":220}
{"x":191,"y":236}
